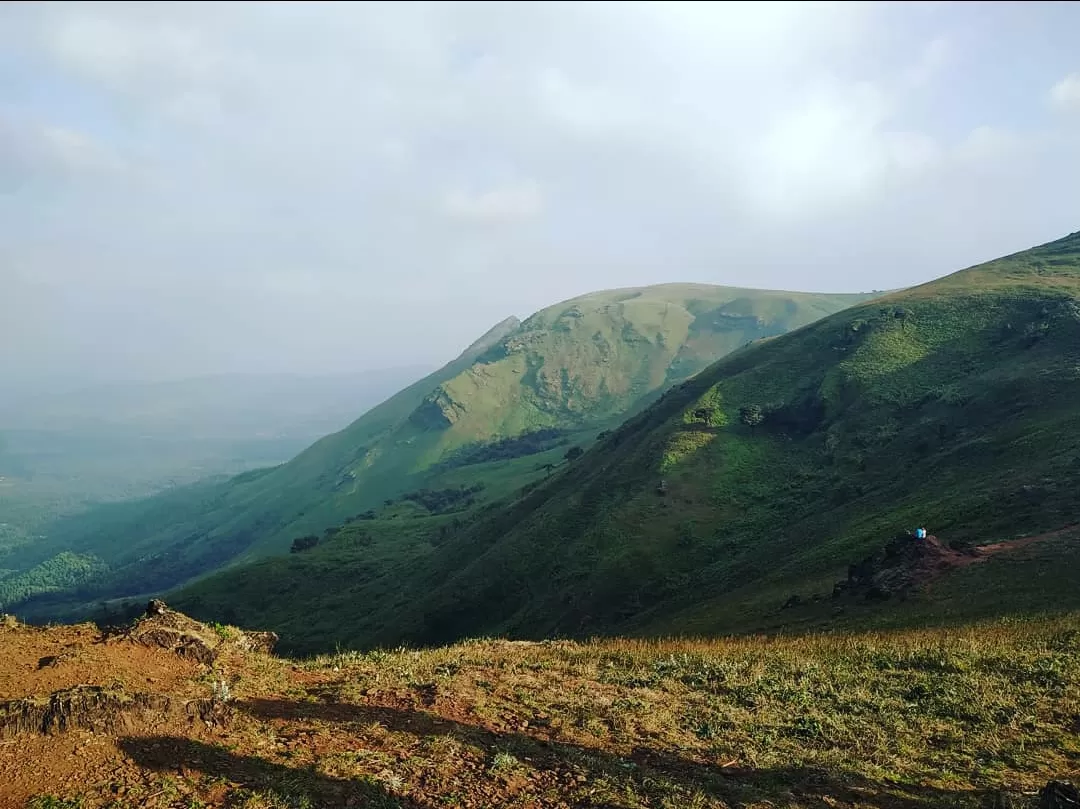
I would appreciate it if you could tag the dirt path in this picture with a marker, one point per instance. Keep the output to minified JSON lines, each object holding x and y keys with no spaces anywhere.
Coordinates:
{"x":937,"y":558}
{"x":1014,"y":544}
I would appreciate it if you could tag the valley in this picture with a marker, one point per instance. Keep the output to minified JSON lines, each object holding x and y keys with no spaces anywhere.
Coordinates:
{"x":65,"y":452}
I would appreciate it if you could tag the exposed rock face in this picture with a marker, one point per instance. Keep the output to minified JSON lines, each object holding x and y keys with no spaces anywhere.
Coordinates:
{"x":438,"y":411}
{"x":103,"y":710}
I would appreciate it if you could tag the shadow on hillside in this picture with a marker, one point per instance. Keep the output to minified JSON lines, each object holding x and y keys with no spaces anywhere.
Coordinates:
{"x":170,"y":753}
{"x":643,"y":768}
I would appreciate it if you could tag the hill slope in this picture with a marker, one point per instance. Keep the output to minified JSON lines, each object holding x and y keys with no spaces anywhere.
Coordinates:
{"x":954,"y":405}
{"x":516,"y":397}
{"x":972,"y":717}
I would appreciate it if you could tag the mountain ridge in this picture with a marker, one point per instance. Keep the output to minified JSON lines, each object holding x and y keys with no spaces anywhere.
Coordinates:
{"x":952,"y":405}
{"x":567,"y":372}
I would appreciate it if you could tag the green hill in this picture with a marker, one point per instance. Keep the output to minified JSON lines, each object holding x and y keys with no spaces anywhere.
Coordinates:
{"x":500,"y":416}
{"x":955,"y":405}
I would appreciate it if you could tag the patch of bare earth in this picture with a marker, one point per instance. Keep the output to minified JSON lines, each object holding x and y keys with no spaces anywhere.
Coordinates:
{"x":37,"y":662}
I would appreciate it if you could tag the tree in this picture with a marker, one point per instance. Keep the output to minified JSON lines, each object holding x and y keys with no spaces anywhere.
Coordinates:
{"x":574,"y":453}
{"x":301,"y":544}
{"x":752,"y":416}
{"x":705,"y":414}
{"x":901,"y":314}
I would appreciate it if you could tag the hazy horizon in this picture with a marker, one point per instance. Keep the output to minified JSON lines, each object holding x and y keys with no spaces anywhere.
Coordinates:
{"x":197,"y":189}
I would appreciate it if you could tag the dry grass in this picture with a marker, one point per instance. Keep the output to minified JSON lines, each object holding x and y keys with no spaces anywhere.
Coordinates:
{"x":916,"y":718}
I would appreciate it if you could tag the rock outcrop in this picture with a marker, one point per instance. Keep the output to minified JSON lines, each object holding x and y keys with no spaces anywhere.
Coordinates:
{"x":900,"y":567}
{"x":112,"y":708}
{"x":168,"y":629}
{"x":92,"y":707}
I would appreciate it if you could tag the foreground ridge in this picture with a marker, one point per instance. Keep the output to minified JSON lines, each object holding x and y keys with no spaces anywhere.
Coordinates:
{"x":169,"y":712}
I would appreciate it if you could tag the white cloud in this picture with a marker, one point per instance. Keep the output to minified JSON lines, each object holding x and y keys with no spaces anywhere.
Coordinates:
{"x":509,"y":204}
{"x":935,"y":57}
{"x":189,"y":159}
{"x":987,"y":145}
{"x":34,"y":155}
{"x":1065,"y":95}
{"x":836,"y":146}
{"x":78,"y":152}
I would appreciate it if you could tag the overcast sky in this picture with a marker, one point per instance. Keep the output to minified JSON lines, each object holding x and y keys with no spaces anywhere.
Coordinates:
{"x":190,"y":189}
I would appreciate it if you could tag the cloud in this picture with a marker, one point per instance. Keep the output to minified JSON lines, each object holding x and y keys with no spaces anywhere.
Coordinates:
{"x":34,"y":155}
{"x":129,"y":51}
{"x":935,"y":57}
{"x":835,"y":145}
{"x":509,"y":204}
{"x":280,"y":187}
{"x":1065,"y":95}
{"x":987,"y":145}
{"x":78,"y":152}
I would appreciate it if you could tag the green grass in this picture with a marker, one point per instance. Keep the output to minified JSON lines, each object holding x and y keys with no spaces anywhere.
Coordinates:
{"x":964,"y":417}
{"x":52,"y":802}
{"x":578,"y":367}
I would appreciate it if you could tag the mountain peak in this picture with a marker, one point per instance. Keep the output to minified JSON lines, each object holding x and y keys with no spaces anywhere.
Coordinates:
{"x":492,"y":336}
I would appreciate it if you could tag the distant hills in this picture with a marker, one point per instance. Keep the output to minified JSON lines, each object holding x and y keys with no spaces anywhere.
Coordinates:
{"x":68,"y":448}
{"x":232,"y":406}
{"x":739,"y":498}
{"x":499,"y":417}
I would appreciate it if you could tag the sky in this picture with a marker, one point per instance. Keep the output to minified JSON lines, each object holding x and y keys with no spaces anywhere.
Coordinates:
{"x":193,"y":188}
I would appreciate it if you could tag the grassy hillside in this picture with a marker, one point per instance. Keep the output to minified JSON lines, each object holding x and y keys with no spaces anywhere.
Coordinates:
{"x":504,"y":412}
{"x":971,"y":717}
{"x":954,"y":405}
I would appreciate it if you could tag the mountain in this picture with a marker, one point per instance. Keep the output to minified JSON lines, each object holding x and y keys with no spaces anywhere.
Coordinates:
{"x":496,"y":418}
{"x":756,"y":485}
{"x":169,"y":712}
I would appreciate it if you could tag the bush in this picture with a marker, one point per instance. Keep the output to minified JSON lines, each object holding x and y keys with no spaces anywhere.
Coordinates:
{"x":301,"y":544}
{"x":504,"y":449}
{"x":439,"y":501}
